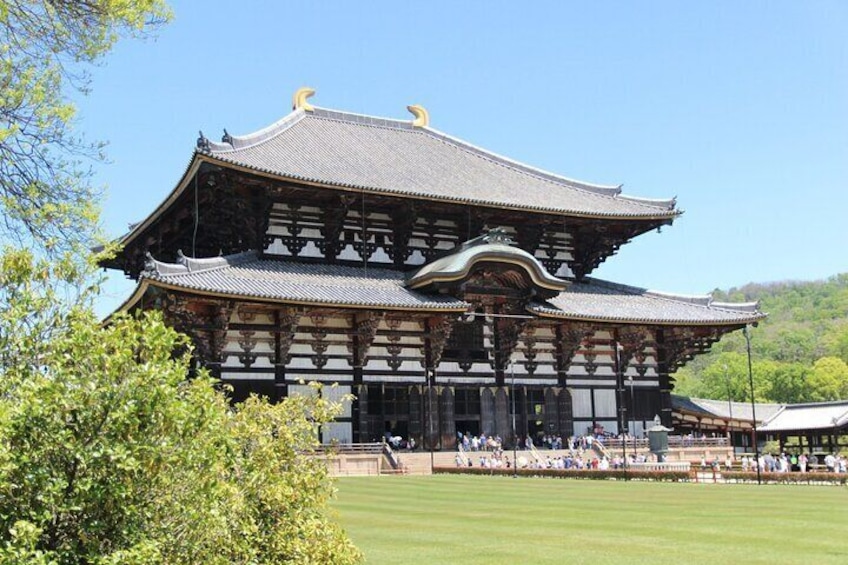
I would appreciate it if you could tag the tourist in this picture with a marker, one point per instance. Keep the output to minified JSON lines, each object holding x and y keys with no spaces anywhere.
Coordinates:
{"x":802,"y":463}
{"x":813,"y":462}
{"x":830,"y":462}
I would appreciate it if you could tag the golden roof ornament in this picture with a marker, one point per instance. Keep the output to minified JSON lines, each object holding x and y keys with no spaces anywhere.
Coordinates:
{"x":299,"y":99}
{"x":422,"y":118}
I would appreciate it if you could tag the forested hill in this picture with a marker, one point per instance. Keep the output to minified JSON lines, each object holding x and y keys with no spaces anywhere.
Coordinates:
{"x":800,"y":352}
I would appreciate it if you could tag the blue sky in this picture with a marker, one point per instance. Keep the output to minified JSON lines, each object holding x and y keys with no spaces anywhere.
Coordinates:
{"x":740,"y":109}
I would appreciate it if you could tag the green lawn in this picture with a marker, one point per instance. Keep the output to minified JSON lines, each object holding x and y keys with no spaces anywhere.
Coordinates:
{"x":472,"y":520}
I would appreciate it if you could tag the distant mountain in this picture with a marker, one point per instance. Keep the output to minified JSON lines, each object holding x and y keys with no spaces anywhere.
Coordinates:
{"x":800,"y":351}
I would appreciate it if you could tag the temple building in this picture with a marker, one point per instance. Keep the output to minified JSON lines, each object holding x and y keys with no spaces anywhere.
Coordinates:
{"x":446,"y":287}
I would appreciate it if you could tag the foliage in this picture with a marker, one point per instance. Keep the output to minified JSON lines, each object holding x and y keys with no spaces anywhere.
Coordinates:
{"x":46,"y":196}
{"x":796,"y":351}
{"x":829,"y":379}
{"x":108,"y":455}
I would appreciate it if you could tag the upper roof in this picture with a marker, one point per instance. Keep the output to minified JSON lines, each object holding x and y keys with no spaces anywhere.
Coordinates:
{"x":355,"y":151}
{"x":247,"y":276}
{"x":593,"y":299}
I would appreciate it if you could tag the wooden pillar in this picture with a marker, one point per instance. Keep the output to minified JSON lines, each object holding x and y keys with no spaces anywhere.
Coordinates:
{"x":487,"y":412}
{"x":565,"y":412}
{"x":416,"y":414}
{"x":664,"y":377}
{"x":363,"y":433}
{"x":520,"y":411}
{"x":448,"y":419}
{"x":431,"y":418}
{"x":503,"y":422}
{"x":551,"y":416}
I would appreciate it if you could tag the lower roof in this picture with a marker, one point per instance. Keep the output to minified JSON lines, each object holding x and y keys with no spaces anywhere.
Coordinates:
{"x":247,"y":276}
{"x":723,"y":409}
{"x":799,"y":417}
{"x":771,"y":417}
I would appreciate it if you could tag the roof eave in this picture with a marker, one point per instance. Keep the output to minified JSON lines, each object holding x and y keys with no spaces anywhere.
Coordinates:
{"x":665,"y":216}
{"x":733,"y":324}
{"x":313,"y":303}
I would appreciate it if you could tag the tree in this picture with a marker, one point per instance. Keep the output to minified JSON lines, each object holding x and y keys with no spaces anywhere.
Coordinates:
{"x":726,"y":377}
{"x":46,"y":195}
{"x":838,"y":346}
{"x":109,"y":455}
{"x":829,"y":380}
{"x":788,"y":383}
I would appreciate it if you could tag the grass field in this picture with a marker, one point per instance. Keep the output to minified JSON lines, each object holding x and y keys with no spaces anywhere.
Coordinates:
{"x":492,"y":520}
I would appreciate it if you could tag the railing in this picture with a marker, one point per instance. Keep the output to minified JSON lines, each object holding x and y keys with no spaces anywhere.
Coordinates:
{"x":394,"y":460}
{"x":463,"y":457}
{"x":677,"y":442}
{"x":665,"y":466}
{"x":350,"y":448}
{"x":600,"y":449}
{"x":615,"y":444}
{"x":685,"y":441}
{"x":536,"y":454}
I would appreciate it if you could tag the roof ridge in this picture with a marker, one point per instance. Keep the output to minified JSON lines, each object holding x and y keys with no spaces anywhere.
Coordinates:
{"x":610,"y":191}
{"x":605,"y":189}
{"x":703,"y":300}
{"x":192,"y":265}
{"x":231,"y":143}
{"x":363,"y":119}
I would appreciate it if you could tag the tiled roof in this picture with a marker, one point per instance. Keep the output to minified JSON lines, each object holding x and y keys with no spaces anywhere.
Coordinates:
{"x":820,"y":416}
{"x":721,"y":409}
{"x":392,"y":156}
{"x":593,"y":299}
{"x":247,"y":276}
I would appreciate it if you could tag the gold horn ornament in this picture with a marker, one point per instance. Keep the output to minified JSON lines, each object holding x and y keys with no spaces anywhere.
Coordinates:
{"x":299,"y":99}
{"x":422,"y":118}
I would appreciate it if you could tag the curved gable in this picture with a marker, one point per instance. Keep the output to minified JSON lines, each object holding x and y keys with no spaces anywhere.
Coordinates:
{"x":505,"y":265}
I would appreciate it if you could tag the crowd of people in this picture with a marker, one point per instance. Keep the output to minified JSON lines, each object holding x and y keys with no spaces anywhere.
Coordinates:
{"x":478,"y":443}
{"x":580,"y":453}
{"x":784,"y":463}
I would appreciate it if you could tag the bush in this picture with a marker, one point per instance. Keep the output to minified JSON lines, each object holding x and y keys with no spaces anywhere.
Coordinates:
{"x":109,"y":455}
{"x":786,"y":478}
{"x":590,"y":474}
